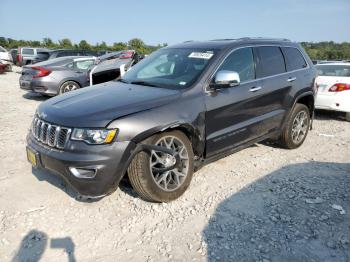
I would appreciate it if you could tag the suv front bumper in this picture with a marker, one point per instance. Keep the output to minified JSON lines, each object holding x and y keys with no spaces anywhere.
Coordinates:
{"x":108,"y":161}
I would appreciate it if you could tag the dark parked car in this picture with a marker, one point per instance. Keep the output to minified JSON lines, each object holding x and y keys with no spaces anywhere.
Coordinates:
{"x":179,"y":108}
{"x":52,"y":54}
{"x":57,"y":76}
{"x":13,"y":53}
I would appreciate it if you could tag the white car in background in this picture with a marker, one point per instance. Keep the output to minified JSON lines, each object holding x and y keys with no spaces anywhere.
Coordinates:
{"x":6,"y":58}
{"x":333,"y":83}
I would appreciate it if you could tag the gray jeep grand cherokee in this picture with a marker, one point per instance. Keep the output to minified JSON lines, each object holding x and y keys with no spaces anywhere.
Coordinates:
{"x":181,"y":107}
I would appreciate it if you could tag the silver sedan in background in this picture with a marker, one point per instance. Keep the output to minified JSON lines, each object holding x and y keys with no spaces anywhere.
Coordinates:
{"x":57,"y":76}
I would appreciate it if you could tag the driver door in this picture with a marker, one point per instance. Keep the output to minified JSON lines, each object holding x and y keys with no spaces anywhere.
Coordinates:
{"x":235,"y":114}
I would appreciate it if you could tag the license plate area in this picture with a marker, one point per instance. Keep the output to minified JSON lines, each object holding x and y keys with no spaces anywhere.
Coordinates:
{"x":32,"y":157}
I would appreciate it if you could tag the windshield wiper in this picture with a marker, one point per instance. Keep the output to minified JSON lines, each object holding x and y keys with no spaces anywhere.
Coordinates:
{"x":143,"y":83}
{"x":122,"y":80}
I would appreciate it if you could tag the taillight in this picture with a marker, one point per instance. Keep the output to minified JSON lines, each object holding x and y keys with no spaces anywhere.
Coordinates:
{"x":338,"y":87}
{"x":19,"y":57}
{"x":126,"y":55}
{"x":41,"y":72}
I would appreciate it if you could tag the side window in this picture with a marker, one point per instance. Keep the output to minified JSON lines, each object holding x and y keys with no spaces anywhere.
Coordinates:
{"x":62,"y":54}
{"x":242,"y":62}
{"x":27,"y":51}
{"x":84,"y":65}
{"x":270,"y":62}
{"x":294,"y":59}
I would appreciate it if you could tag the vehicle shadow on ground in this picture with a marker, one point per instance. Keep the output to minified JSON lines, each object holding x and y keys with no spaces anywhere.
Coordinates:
{"x":34,"y":244}
{"x":35,"y":96}
{"x":329,"y":115}
{"x":59,"y":182}
{"x":55,"y":180}
{"x":300,"y":212}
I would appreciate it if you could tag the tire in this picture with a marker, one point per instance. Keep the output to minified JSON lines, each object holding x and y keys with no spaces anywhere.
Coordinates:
{"x":347,"y":116}
{"x":9,"y":68}
{"x":143,"y":180}
{"x":68,"y":86}
{"x":289,"y":138}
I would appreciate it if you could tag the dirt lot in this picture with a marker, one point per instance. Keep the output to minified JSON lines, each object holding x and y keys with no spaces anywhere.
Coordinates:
{"x":261,"y":204}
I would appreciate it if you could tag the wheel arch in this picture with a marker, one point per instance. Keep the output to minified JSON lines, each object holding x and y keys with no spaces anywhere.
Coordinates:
{"x":308,"y":100}
{"x":190,"y":132}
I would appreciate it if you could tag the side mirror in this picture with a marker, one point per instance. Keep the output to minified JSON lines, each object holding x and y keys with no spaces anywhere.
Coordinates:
{"x":225,"y":79}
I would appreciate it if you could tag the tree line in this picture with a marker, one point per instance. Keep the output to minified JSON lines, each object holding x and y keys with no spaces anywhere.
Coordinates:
{"x":135,"y":44}
{"x":316,"y":50}
{"x":327,"y":50}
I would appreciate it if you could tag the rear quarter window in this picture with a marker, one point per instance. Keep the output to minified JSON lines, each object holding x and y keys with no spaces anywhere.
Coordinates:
{"x":27,"y":51}
{"x":270,"y":61}
{"x":294,"y":59}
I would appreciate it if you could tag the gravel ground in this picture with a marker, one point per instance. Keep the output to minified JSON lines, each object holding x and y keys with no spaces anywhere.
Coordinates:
{"x":260,"y":204}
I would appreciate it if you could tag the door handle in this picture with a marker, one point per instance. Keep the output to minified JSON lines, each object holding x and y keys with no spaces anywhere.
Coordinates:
{"x":291,"y":79}
{"x":254,"y":89}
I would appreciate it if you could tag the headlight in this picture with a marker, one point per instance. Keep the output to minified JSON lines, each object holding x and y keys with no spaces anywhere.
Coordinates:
{"x":94,"y":136}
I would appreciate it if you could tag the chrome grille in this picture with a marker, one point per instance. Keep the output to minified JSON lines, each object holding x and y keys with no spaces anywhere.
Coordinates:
{"x":48,"y":134}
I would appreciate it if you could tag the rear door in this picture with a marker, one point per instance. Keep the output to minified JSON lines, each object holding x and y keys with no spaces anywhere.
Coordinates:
{"x":277,"y":85}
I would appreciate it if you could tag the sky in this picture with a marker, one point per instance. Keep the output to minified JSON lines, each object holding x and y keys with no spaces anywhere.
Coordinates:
{"x":162,"y":21}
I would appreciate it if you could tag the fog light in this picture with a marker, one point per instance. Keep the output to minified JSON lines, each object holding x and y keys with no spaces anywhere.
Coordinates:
{"x":83,"y":173}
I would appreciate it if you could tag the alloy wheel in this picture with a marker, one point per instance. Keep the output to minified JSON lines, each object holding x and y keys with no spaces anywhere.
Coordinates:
{"x":299,"y":127}
{"x":172,"y":179}
{"x":70,"y":87}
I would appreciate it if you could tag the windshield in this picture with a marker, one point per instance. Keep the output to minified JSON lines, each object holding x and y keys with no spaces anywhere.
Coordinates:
{"x":333,"y":70}
{"x":170,"y":68}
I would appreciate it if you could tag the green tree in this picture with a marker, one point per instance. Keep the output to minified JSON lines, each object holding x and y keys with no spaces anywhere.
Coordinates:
{"x":47,"y":42}
{"x":138,"y":45}
{"x":83,"y":44}
{"x":65,"y":43}
{"x":119,"y":46}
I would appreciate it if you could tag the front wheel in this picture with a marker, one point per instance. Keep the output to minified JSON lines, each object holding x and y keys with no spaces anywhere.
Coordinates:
{"x":158,"y":186}
{"x":297,"y":127}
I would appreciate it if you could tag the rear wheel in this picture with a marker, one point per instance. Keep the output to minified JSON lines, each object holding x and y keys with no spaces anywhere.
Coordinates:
{"x":68,"y":86}
{"x":297,"y":127}
{"x":347,"y":116}
{"x":154,"y":185}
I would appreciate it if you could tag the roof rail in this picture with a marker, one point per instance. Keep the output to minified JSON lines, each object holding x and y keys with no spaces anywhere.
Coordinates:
{"x":264,"y":38}
{"x":252,"y":38}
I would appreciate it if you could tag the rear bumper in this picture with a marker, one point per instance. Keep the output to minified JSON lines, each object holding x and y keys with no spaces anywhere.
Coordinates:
{"x":109,"y":162}
{"x":41,"y":86}
{"x":335,"y":102}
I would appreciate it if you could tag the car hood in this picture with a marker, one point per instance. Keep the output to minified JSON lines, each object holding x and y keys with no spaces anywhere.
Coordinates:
{"x":98,"y":105}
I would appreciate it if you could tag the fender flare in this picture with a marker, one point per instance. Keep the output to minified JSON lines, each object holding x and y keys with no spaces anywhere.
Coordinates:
{"x":296,"y":99}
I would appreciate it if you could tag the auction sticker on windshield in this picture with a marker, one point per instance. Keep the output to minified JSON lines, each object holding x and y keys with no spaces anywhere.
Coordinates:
{"x":200,"y":55}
